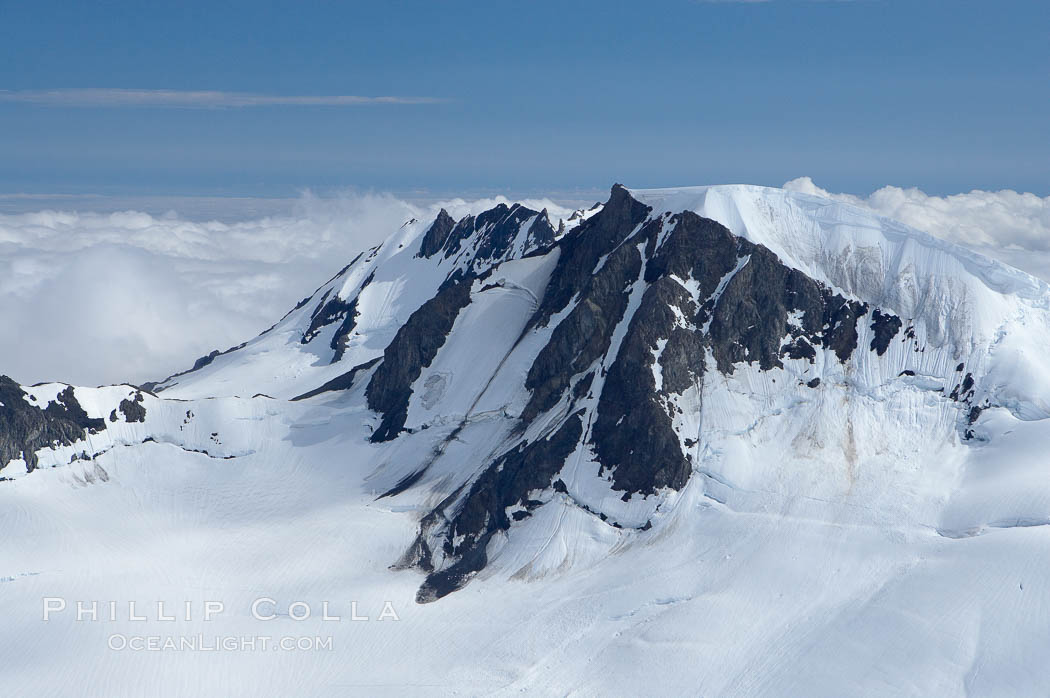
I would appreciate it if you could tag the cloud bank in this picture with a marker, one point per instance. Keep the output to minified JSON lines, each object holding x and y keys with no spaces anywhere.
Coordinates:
{"x":95,"y":298}
{"x":1005,"y":225}
{"x":191,"y":99}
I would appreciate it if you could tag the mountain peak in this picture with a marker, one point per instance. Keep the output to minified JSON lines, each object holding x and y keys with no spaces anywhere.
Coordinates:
{"x":592,"y":369}
{"x":687,"y":382}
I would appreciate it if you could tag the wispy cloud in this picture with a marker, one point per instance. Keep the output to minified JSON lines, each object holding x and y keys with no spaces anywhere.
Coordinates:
{"x":192,"y":99}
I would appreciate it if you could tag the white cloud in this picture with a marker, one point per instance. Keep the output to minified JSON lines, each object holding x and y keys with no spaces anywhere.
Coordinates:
{"x":191,"y":99}
{"x":94,"y":298}
{"x":1005,"y":225}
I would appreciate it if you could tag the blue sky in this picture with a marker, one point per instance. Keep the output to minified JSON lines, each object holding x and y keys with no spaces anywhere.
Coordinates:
{"x":536,"y":97}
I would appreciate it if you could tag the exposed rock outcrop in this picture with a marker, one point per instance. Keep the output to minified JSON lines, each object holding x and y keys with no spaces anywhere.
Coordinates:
{"x":413,"y":348}
{"x":25,"y":428}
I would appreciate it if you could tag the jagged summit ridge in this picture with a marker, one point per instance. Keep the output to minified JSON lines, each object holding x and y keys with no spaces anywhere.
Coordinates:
{"x":498,"y":234}
{"x":637,"y":297}
{"x":501,"y":375}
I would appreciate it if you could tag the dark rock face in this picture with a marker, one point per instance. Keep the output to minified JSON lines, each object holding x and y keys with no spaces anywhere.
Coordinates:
{"x":413,"y":348}
{"x":481,"y":510}
{"x":799,"y":348}
{"x":25,"y":429}
{"x":156,"y":386}
{"x":584,"y":335}
{"x":886,"y":328}
{"x":343,"y":381}
{"x":329,"y":311}
{"x":840,"y":324}
{"x":583,"y":247}
{"x":633,"y":435}
{"x":436,"y":236}
{"x":205,"y":360}
{"x":750,"y":320}
{"x":342,"y":333}
{"x":964,"y":391}
{"x":682,"y":361}
{"x":322,"y":315}
{"x":133,"y":410}
{"x":490,"y":235}
{"x":747,"y":303}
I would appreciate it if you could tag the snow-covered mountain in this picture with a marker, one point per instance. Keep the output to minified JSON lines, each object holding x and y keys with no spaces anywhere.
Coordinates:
{"x":710,"y":440}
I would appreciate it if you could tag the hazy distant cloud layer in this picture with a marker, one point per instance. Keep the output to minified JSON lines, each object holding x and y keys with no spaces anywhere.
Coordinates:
{"x":1005,"y":225}
{"x":94,"y":298}
{"x":191,"y":99}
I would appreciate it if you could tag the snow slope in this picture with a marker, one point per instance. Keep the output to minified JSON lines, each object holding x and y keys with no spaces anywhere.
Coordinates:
{"x":878,"y":532}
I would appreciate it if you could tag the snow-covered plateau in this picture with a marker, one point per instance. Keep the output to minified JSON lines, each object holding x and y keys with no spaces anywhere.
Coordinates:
{"x":722,"y":440}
